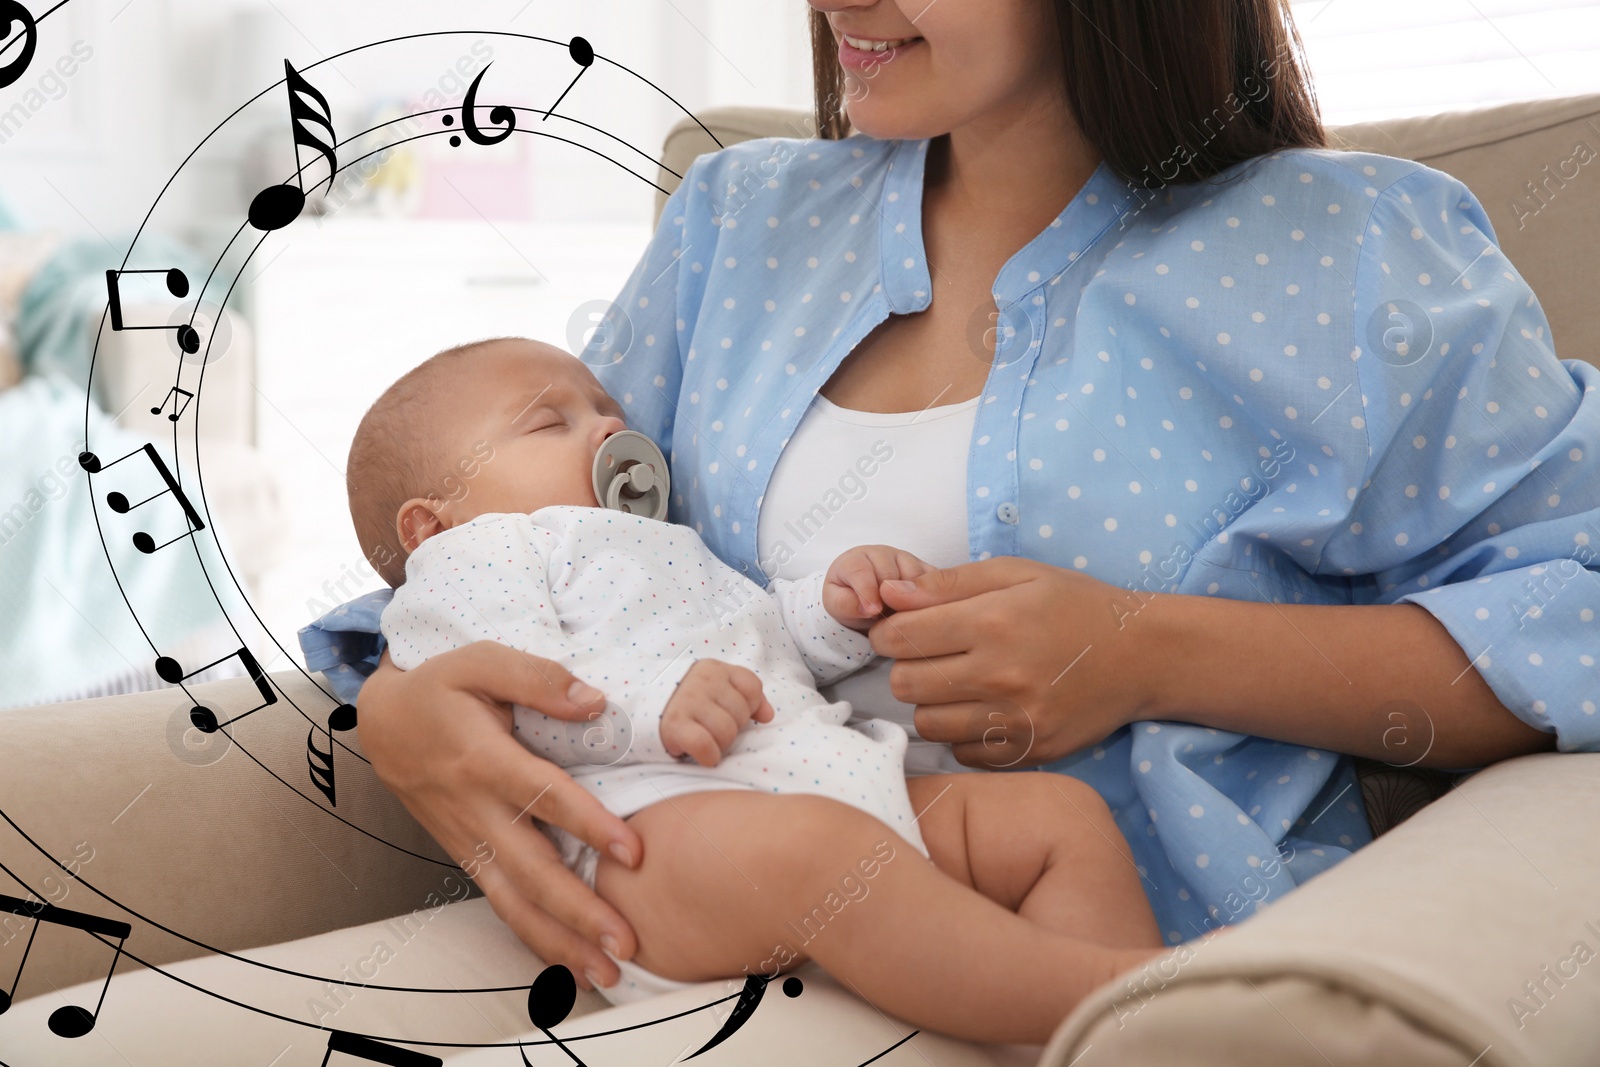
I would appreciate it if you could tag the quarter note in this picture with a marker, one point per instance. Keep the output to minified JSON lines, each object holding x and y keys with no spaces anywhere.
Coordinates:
{"x":204,"y":719}
{"x":500,"y":114}
{"x":177,"y":285}
{"x":177,"y":412}
{"x":755,"y":986}
{"x":582,"y":53}
{"x":119,"y":503}
{"x":550,"y":1000}
{"x":364,"y":1048}
{"x":342,"y":718}
{"x":71,"y":1020}
{"x":278,"y":205}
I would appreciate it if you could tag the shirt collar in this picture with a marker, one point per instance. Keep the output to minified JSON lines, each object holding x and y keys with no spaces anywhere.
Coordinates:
{"x":906,"y":282}
{"x":1104,"y":199}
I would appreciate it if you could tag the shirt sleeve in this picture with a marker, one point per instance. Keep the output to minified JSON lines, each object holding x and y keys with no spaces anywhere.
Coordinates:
{"x":346,"y":644}
{"x":1480,"y":494}
{"x":830,"y":648}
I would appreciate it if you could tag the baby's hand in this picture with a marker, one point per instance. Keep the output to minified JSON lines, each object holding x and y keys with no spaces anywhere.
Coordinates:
{"x":709,"y":708}
{"x":850,"y":590}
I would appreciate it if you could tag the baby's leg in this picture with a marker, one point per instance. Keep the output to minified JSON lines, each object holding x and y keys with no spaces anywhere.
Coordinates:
{"x":735,"y":881}
{"x":1040,"y":844}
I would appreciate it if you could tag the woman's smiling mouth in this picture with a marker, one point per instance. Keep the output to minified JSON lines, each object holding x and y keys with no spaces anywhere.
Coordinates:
{"x":868,"y":44}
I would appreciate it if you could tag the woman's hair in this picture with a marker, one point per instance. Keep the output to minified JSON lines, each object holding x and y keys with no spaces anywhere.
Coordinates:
{"x":1175,"y":90}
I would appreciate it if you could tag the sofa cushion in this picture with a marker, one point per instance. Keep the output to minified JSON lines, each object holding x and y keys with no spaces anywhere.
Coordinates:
{"x":152,"y":1018}
{"x":1535,"y":167}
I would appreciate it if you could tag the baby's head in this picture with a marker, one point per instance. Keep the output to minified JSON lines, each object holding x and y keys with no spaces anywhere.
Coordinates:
{"x":509,"y":425}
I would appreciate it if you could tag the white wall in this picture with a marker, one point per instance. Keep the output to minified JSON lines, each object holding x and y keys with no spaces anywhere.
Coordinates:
{"x":164,"y":72}
{"x":1378,"y":59}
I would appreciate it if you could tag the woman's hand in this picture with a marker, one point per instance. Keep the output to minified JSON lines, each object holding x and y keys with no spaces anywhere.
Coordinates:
{"x":440,"y":738}
{"x":1013,"y":662}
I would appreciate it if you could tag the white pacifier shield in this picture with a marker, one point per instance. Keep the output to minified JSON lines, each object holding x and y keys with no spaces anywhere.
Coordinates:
{"x":630,"y":475}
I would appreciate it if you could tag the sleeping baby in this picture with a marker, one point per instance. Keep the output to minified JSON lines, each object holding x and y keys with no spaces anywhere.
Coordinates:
{"x":981,"y":905}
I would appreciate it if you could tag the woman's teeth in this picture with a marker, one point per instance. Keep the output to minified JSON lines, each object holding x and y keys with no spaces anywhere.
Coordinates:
{"x":877,"y":46}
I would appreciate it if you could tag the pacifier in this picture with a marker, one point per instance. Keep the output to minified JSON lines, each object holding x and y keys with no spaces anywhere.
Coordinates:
{"x":630,"y":475}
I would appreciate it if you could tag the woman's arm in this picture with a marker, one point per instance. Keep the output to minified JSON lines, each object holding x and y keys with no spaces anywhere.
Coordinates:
{"x":1014,"y":662}
{"x":439,"y":737}
{"x":1382,"y":680}
{"x":1469,"y":493}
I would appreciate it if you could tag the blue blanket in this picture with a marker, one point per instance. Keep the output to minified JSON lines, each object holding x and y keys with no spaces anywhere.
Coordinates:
{"x":64,"y":628}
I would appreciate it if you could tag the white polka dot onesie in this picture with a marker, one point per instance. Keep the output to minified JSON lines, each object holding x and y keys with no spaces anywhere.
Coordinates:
{"x":628,"y":604}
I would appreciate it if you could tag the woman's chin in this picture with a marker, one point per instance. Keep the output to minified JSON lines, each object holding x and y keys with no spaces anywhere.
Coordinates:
{"x":889,"y":123}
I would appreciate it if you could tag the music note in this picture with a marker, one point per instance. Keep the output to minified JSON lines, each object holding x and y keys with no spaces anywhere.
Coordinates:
{"x":582,"y":53}
{"x":755,"y":986}
{"x":71,"y":1020}
{"x":204,"y":719}
{"x":500,"y":114}
{"x":177,"y":285}
{"x":550,"y":1000}
{"x":119,"y":503}
{"x":177,"y":412}
{"x":342,"y":718}
{"x":376,"y":1051}
{"x":11,"y":13}
{"x":278,"y":205}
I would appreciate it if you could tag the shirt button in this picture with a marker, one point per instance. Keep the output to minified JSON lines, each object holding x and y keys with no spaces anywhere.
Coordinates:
{"x":1008,"y":514}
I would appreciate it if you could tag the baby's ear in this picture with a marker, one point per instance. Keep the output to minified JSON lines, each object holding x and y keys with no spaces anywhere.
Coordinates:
{"x":419,"y":519}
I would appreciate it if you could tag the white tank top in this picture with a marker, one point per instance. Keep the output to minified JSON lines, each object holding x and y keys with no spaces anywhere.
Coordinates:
{"x":850,"y":478}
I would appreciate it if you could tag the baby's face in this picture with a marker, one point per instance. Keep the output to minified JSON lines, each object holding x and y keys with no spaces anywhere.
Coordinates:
{"x":526,"y":419}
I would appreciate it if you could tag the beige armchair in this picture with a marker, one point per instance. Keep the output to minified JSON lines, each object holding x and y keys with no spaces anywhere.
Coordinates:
{"x":1467,"y":935}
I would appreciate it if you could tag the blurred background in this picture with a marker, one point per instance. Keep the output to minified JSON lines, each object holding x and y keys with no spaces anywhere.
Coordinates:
{"x":421,"y":247}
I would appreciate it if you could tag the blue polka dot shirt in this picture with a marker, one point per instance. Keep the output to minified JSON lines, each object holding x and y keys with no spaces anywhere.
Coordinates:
{"x":1312,"y":380}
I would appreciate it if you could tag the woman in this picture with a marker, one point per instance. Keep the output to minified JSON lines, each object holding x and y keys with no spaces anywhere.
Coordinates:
{"x":1182,"y":448}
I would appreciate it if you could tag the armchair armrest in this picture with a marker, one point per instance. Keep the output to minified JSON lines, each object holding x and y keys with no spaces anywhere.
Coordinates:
{"x":197,"y":833}
{"x":1468,"y":934}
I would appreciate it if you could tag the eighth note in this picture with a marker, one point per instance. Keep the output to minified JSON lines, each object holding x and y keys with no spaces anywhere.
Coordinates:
{"x":177,"y":412}
{"x":70,"y":1021}
{"x":278,"y":205}
{"x":500,"y":114}
{"x":177,"y":285}
{"x":204,"y":719}
{"x":119,"y":503}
